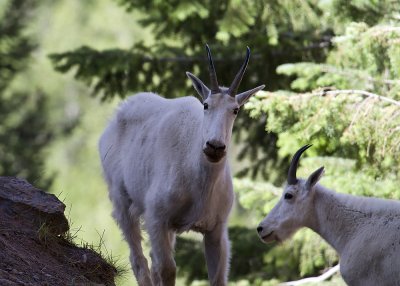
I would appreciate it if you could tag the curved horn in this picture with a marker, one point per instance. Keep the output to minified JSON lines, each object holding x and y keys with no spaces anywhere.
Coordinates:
{"x":238,"y":78}
{"x":213,"y":74}
{"x":292,"y":179}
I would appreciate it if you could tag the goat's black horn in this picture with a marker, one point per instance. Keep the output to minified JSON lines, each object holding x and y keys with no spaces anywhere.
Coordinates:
{"x":238,"y":78}
{"x":213,"y":74}
{"x":292,"y":179}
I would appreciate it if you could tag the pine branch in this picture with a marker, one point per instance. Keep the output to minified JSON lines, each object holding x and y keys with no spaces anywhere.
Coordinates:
{"x":355,"y":91}
{"x":333,"y":70}
{"x":338,"y":92}
{"x":186,"y":59}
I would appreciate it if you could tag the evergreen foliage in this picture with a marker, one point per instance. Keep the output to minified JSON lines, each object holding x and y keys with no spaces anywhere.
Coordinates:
{"x":15,"y":47}
{"x":355,"y":113}
{"x":24,"y":127}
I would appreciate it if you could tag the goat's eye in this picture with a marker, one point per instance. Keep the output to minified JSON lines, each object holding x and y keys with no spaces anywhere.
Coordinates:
{"x":205,"y":105}
{"x":288,"y":196}
{"x":236,"y":111}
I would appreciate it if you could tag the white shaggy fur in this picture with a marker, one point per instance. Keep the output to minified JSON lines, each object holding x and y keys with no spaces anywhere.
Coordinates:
{"x":364,"y":231}
{"x":159,"y":167}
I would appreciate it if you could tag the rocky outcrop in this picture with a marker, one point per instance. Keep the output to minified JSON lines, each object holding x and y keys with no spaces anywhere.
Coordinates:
{"x":33,"y":245}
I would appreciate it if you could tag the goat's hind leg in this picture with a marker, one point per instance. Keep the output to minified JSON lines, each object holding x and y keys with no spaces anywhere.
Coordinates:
{"x":130,"y":226}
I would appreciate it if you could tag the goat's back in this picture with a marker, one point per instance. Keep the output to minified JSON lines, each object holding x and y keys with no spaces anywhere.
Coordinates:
{"x":372,"y":256}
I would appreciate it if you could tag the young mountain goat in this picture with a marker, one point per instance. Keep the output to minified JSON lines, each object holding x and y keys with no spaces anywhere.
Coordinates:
{"x":364,"y":231}
{"x":164,"y":161}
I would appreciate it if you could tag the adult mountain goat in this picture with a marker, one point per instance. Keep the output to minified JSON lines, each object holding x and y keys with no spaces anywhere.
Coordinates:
{"x":364,"y":231}
{"x":164,"y":161}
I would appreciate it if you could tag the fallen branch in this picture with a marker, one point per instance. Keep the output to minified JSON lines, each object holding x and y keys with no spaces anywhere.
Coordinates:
{"x":320,"y":278}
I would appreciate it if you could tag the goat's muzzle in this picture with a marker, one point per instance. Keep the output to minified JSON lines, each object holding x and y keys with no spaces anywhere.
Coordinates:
{"x":266,"y":234}
{"x":214,"y":150}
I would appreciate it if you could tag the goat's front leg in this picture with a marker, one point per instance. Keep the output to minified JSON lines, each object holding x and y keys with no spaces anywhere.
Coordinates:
{"x":216,"y":244}
{"x":163,"y":269}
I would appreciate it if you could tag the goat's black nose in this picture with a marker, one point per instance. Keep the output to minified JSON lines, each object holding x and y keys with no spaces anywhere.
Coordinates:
{"x":259,"y":229}
{"x":216,"y":145}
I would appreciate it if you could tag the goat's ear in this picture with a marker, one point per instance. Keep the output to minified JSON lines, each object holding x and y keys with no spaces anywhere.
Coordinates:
{"x":199,"y":86}
{"x":314,"y":178}
{"x":242,"y":98}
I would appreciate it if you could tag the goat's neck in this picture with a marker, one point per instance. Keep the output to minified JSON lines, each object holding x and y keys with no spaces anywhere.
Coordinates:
{"x":212,"y":171}
{"x":334,"y":218}
{"x":204,"y":172}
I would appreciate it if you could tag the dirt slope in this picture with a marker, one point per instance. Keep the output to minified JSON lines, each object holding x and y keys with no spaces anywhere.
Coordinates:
{"x":33,"y":250}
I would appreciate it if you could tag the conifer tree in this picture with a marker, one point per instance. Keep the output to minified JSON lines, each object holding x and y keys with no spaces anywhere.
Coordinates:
{"x":24,"y":126}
